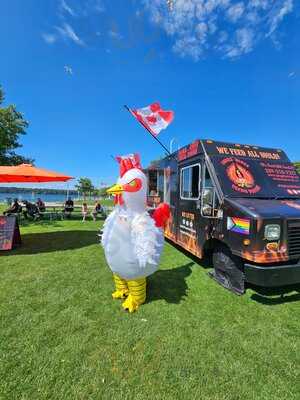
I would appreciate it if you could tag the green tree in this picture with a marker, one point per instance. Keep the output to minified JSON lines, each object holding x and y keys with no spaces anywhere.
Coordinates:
{"x":12,"y":125}
{"x":85,"y":186}
{"x":297,"y":165}
{"x":156,"y":162}
{"x":102,"y":191}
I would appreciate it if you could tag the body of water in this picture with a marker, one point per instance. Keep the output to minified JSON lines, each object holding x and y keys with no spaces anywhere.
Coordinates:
{"x":49,"y":197}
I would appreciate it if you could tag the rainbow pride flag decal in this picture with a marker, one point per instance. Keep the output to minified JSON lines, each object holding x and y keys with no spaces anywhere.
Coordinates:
{"x":238,"y":225}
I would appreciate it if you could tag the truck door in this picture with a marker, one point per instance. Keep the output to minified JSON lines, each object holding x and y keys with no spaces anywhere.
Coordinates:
{"x":210,"y":203}
{"x":170,"y":196}
{"x":189,"y":206}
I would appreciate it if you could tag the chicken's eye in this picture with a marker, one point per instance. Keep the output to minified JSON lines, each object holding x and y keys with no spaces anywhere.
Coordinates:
{"x":133,"y":183}
{"x":133,"y":186}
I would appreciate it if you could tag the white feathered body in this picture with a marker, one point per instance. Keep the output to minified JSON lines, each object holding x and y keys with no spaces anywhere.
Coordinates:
{"x":132,"y":243}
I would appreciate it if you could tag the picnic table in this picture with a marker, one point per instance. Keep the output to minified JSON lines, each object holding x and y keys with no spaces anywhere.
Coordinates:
{"x":55,"y":210}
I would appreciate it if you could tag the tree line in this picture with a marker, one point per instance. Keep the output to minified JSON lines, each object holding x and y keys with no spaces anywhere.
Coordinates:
{"x":86,"y":188}
{"x":12,"y":189}
{"x":12,"y":126}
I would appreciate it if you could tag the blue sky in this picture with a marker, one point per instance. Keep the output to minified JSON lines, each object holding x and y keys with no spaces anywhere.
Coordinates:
{"x":229,"y":69}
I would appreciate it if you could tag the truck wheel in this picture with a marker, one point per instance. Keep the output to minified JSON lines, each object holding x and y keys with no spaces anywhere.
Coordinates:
{"x":228,"y":270}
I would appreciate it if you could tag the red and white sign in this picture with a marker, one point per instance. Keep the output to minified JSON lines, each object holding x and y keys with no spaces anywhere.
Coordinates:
{"x":153,"y":118}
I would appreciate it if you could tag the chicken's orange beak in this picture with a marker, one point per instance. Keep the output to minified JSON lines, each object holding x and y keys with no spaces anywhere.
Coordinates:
{"x":115,"y":189}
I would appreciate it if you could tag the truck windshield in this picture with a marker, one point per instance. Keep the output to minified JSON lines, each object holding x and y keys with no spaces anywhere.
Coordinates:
{"x":248,"y":177}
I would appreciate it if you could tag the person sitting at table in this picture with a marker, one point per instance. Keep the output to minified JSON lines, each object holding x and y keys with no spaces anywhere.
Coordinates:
{"x":31,"y":210}
{"x":84,"y":211}
{"x":68,"y":207}
{"x":15,"y":208}
{"x":40,"y":205}
{"x":98,"y":209}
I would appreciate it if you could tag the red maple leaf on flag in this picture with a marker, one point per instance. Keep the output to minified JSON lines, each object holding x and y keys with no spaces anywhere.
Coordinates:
{"x":153,"y":118}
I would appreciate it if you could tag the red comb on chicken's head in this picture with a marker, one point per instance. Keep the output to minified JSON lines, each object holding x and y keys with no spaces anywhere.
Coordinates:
{"x":128,"y":162}
{"x":131,"y":180}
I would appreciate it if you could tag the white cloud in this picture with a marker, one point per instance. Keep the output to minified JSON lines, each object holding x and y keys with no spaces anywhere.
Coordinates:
{"x":65,"y":7}
{"x":223,"y":36}
{"x":201,"y":30}
{"x":278,"y":14}
{"x":228,"y":27}
{"x":259,"y":4}
{"x":98,"y":5}
{"x":188,"y":46}
{"x":114,"y":34}
{"x":243,"y":43}
{"x":91,"y":7}
{"x":235,"y":11}
{"x":68,"y":70}
{"x":252,"y":17}
{"x":68,"y":33}
{"x":49,"y":38}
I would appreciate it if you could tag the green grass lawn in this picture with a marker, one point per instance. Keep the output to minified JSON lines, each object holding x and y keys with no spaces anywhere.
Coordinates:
{"x":63,"y":337}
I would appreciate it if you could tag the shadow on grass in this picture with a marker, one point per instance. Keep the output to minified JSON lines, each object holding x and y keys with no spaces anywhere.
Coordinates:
{"x":279,"y":299}
{"x":42,"y":222}
{"x":284,"y":294}
{"x":35,"y":243}
{"x":169,"y":284}
{"x":56,"y":222}
{"x":262,"y":295}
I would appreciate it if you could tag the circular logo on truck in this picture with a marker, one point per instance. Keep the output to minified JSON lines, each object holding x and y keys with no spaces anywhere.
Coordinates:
{"x":240,"y":175}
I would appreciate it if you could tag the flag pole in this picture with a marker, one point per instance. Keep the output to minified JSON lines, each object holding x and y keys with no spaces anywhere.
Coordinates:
{"x":162,"y":145}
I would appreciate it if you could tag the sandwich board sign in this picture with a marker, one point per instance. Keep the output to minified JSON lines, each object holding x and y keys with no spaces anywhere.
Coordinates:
{"x":9,"y":233}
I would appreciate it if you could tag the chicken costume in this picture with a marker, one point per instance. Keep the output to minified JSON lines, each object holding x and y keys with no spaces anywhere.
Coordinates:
{"x":132,"y":239}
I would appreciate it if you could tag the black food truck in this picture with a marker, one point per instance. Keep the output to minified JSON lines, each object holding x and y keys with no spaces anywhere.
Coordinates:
{"x":238,"y":203}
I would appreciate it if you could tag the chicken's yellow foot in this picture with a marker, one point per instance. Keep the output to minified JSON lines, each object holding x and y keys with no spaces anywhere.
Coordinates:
{"x":119,"y":294}
{"x":137,"y":294}
{"x":121,"y":291}
{"x":129,"y":304}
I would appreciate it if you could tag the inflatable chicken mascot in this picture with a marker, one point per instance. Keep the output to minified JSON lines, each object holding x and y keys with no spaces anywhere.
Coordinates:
{"x":132,"y":239}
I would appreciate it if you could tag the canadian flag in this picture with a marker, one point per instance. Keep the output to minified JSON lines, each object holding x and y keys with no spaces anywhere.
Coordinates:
{"x":153,"y":118}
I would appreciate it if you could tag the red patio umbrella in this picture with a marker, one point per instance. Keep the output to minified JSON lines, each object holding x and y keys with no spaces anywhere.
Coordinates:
{"x":28,"y":173}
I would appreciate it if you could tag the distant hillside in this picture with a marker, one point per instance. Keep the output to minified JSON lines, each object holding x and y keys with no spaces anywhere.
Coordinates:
{"x":11,"y":189}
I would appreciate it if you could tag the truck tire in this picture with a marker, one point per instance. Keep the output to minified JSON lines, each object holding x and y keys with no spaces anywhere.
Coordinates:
{"x":228,"y":270}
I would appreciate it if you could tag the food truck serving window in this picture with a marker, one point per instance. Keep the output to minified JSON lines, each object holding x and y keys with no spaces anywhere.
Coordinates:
{"x":153,"y":182}
{"x":190,"y":182}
